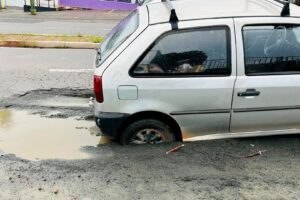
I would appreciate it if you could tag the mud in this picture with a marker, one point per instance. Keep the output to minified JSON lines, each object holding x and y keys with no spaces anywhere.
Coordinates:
{"x":66,"y":102}
{"x":54,"y":151}
{"x":34,"y":137}
{"x":203,"y":170}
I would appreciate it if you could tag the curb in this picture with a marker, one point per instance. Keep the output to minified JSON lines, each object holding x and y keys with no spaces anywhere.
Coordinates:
{"x":50,"y":44}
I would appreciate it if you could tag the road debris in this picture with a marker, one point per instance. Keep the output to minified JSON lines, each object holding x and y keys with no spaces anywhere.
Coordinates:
{"x":91,"y":102}
{"x":258,"y":153}
{"x":55,"y":191}
{"x":175,"y":149}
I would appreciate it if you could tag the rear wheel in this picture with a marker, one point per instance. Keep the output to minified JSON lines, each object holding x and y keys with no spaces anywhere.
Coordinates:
{"x":147,"y":131}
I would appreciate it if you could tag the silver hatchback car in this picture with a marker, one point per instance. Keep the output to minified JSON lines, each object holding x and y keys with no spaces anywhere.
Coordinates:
{"x":196,"y":69}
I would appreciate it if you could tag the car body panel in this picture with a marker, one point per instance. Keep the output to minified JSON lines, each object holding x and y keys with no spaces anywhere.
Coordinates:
{"x":203,"y":9}
{"x":241,"y":135}
{"x":143,"y":23}
{"x":179,"y":96}
{"x":277,"y":106}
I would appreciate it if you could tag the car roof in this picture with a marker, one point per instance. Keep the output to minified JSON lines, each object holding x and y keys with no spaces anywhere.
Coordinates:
{"x":205,"y":9}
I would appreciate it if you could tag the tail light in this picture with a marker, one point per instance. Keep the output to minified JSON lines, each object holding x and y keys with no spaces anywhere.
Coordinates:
{"x":98,"y":88}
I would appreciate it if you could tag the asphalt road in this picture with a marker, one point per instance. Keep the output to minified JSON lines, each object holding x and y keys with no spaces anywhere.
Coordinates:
{"x":50,"y":148}
{"x":25,"y":69}
{"x":85,"y":22}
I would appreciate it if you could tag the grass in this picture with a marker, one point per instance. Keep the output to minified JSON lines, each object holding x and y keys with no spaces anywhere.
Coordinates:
{"x":64,"y":38}
{"x":96,"y":39}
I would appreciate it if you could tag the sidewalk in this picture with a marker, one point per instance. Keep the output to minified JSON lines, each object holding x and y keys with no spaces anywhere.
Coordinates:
{"x":74,"y":22}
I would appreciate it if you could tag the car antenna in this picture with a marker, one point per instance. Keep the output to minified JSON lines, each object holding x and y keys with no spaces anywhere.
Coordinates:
{"x":173,"y":16}
{"x":285,"y":12}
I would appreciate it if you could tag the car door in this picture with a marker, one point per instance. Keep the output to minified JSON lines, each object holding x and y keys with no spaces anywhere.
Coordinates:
{"x":189,"y":74}
{"x":267,"y":90}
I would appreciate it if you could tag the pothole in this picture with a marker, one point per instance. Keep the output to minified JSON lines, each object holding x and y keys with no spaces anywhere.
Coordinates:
{"x":34,"y":137}
{"x":69,"y":102}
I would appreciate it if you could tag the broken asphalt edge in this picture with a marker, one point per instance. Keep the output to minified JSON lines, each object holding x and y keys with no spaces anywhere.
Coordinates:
{"x":50,"y":44}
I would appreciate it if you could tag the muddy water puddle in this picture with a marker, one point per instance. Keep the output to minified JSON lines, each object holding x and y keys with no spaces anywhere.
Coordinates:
{"x":34,"y":137}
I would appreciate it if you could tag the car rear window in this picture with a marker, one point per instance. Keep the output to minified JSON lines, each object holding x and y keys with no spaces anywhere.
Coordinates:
{"x":117,"y":36}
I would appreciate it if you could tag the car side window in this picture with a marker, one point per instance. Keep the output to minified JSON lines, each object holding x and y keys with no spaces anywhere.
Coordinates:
{"x":271,"y":49}
{"x":203,"y":52}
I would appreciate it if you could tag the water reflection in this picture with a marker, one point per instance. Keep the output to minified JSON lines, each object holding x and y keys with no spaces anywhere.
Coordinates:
{"x":34,"y":137}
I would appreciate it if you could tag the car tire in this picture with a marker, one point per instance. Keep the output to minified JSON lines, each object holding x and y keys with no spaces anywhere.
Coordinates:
{"x":145,"y":131}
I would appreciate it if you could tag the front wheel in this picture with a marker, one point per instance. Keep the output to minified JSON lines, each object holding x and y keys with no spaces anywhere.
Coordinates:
{"x":147,"y":131}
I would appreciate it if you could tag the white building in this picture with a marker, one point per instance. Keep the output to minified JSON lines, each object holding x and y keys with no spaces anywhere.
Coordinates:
{"x":18,"y":3}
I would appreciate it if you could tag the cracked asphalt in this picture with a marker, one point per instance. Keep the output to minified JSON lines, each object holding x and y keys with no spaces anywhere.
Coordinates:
{"x":51,"y":149}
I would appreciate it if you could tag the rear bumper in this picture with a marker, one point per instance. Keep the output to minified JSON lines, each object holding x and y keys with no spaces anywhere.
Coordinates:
{"x":109,"y":123}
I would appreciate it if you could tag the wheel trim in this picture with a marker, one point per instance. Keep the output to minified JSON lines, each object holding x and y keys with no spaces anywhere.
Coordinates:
{"x":147,"y":136}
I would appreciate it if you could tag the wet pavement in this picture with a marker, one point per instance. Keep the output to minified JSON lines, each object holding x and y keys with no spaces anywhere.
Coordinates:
{"x":51,"y":149}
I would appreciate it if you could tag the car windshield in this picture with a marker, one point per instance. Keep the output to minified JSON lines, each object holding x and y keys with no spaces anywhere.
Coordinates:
{"x":118,"y":35}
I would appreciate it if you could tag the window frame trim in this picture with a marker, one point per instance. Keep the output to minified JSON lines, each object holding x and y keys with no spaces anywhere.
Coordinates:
{"x":244,"y":52}
{"x":164,"y":34}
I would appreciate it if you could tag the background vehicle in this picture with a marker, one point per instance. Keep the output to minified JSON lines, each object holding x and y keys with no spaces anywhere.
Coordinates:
{"x":218,"y":69}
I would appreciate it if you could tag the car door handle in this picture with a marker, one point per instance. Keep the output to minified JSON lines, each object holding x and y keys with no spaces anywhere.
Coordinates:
{"x":249,"y":93}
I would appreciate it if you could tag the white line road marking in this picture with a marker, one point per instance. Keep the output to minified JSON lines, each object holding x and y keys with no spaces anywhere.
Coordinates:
{"x":71,"y":70}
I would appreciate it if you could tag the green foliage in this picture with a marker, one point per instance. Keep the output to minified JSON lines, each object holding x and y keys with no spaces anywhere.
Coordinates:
{"x":96,"y":39}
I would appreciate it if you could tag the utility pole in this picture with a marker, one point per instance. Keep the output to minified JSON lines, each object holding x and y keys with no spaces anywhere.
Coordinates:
{"x":32,"y":7}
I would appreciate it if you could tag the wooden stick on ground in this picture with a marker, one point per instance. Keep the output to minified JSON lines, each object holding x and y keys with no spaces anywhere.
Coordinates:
{"x":175,"y":149}
{"x":258,"y":153}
